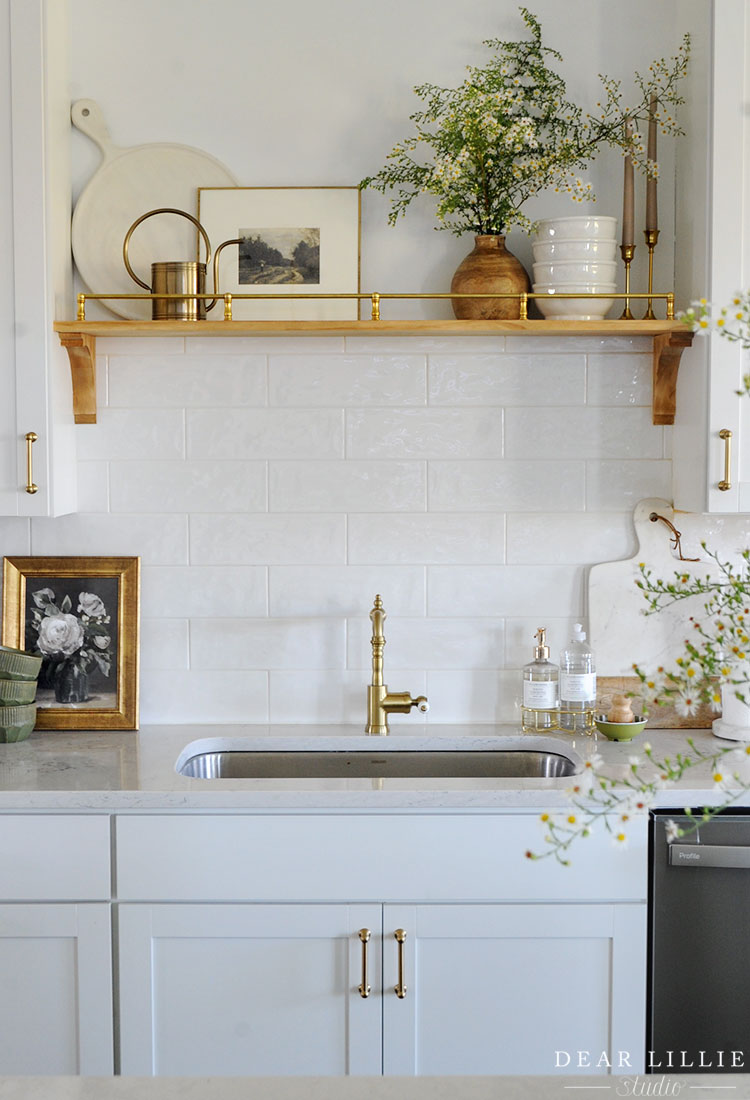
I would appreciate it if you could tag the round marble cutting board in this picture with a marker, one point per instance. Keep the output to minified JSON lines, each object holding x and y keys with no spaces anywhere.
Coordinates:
{"x":129,"y":182}
{"x":621,"y":634}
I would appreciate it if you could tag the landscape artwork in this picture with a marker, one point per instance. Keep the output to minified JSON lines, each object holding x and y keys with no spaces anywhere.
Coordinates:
{"x":279,"y":256}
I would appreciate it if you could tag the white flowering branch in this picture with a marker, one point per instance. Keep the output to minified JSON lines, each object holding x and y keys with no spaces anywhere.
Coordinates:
{"x":508,"y":132}
{"x":597,"y":800}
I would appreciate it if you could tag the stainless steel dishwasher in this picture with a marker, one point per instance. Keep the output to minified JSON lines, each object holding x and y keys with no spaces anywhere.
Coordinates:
{"x":699,"y":949}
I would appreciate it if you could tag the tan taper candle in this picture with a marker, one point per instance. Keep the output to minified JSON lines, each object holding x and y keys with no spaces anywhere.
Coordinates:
{"x":628,"y":198}
{"x":652,"y":219}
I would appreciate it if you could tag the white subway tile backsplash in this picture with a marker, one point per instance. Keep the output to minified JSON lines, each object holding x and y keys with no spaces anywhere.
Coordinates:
{"x":265,"y":433}
{"x":262,"y":539}
{"x":15,"y":536}
{"x":430,"y":643}
{"x":273,"y":485}
{"x":164,"y":644}
{"x":427,"y":538}
{"x":346,"y":486}
{"x":581,"y":537}
{"x":497,"y":590}
{"x":619,"y":379}
{"x":424,"y":433}
{"x":268,"y":643}
{"x":188,"y":381}
{"x":534,"y":486}
{"x":158,"y":540}
{"x":618,"y":486}
{"x":331,"y":590}
{"x":200,"y":591}
{"x":343,"y":380}
{"x":222,"y":486}
{"x":506,"y":379}
{"x":201,"y":696}
{"x":581,"y":433}
{"x":133,"y":433}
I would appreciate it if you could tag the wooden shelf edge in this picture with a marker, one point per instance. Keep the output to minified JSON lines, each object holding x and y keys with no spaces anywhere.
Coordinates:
{"x":670,"y":338}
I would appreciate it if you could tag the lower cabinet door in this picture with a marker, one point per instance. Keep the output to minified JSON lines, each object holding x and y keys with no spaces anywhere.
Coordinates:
{"x":513,"y":989}
{"x":55,"y":990}
{"x":211,"y":990}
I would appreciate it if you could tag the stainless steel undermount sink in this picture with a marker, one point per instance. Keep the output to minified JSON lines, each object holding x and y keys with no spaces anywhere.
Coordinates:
{"x":501,"y":758}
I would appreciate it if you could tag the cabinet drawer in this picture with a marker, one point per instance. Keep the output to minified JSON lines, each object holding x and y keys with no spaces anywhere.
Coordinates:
{"x":441,"y":857}
{"x":54,"y":857}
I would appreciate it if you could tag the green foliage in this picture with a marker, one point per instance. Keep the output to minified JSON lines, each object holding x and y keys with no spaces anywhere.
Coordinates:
{"x":508,"y":132}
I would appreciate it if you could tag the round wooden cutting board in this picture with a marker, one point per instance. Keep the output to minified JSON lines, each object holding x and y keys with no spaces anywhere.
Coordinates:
{"x":129,"y":182}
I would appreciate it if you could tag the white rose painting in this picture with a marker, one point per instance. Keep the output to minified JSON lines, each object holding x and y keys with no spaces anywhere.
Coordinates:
{"x":69,"y":622}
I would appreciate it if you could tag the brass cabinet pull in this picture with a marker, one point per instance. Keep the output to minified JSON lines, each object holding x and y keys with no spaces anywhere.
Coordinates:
{"x":726,"y":435}
{"x":400,"y":989}
{"x":31,"y":438}
{"x":364,"y":988}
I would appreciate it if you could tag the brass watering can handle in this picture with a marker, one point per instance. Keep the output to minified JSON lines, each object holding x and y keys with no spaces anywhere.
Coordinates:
{"x":150,"y":214}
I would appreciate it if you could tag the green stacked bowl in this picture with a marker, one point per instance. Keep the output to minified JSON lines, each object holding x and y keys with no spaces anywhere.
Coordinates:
{"x":18,"y":677}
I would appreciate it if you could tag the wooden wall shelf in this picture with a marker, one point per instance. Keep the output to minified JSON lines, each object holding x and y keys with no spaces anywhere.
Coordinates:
{"x":670,"y":338}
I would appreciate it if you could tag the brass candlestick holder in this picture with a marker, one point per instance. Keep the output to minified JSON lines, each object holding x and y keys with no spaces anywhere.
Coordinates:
{"x":652,"y":236}
{"x":627,"y":251}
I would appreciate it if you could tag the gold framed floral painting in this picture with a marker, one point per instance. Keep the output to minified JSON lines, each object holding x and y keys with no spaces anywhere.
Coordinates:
{"x":81,"y":615}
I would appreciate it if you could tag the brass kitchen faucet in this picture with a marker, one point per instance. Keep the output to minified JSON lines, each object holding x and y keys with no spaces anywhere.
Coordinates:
{"x":381,"y":702}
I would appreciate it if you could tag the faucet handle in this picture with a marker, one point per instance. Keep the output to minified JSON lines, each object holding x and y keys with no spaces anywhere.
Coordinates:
{"x":422,"y":704}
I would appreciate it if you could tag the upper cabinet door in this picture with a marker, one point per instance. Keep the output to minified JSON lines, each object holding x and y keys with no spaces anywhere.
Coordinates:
{"x":713,"y":257}
{"x":36,"y":274}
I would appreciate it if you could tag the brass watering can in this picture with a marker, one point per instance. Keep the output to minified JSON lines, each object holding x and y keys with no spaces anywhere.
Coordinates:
{"x":186,"y":277}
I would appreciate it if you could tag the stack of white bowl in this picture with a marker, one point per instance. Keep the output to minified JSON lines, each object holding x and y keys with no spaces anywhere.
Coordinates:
{"x":575,"y":255}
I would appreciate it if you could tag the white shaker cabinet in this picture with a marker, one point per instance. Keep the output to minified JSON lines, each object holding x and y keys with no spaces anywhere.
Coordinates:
{"x":55,"y":946}
{"x":241,"y":950}
{"x":35,"y":279}
{"x":713,"y":256}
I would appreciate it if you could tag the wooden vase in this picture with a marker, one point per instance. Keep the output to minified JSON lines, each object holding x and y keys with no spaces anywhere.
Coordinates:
{"x":490,"y":268}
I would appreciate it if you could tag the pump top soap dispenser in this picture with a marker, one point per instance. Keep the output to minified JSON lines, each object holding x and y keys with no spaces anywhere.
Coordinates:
{"x":541,"y":679}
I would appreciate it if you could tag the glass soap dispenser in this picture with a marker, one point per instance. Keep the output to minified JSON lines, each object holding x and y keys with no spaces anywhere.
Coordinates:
{"x":541,"y":679}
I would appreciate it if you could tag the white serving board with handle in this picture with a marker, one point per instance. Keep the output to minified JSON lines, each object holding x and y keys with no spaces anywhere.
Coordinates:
{"x":129,"y":182}
{"x":620,"y":633}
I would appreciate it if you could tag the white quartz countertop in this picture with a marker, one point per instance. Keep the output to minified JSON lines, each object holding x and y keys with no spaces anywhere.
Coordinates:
{"x":105,"y":771}
{"x":369,"y":1088}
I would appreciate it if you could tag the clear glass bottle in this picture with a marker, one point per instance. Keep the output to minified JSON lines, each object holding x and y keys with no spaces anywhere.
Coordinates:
{"x":577,"y":684}
{"x":540,"y":688}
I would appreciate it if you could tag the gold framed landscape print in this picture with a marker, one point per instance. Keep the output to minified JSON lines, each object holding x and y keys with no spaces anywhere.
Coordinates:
{"x":285,"y":241}
{"x":81,"y":615}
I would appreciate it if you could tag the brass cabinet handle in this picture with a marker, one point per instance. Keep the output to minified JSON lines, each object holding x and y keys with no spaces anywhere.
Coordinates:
{"x":31,"y":438}
{"x":400,"y":989}
{"x":364,"y":988}
{"x":726,"y":483}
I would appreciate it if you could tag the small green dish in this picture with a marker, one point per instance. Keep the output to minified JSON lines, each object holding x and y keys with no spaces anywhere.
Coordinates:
{"x":17,"y":693}
{"x":16,"y":723}
{"x":17,"y":664}
{"x":620,"y":731}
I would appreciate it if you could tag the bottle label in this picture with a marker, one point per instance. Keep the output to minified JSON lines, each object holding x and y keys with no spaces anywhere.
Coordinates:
{"x":540,"y":694}
{"x":577,"y":687}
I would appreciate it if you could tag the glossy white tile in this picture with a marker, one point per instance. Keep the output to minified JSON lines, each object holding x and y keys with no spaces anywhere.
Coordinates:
{"x":93,"y":486}
{"x":507,"y":379}
{"x":506,"y":485}
{"x":200,"y":591}
{"x":420,"y":643}
{"x":426,"y":538}
{"x":158,"y":540}
{"x":264,"y":539}
{"x":201,"y":695}
{"x":265,"y":433}
{"x":188,"y":381}
{"x":338,"y":380}
{"x":164,"y":644}
{"x":497,"y":591}
{"x":335,"y":696}
{"x":133,"y":433}
{"x":192,"y":486}
{"x":352,"y":485}
{"x":619,"y":379}
{"x":590,"y":432}
{"x":424,"y":433}
{"x":618,"y":486}
{"x":581,"y":537}
{"x":331,"y":590}
{"x":474,"y":695}
{"x":268,"y":643}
